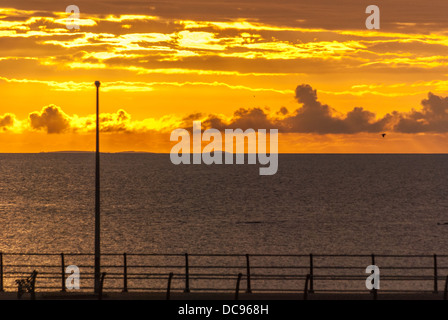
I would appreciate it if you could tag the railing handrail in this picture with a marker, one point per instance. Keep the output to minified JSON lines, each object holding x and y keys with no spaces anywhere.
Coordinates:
{"x":214,"y":267}
{"x":225,"y":254}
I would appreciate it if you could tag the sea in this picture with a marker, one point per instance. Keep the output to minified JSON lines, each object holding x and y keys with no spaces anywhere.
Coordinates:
{"x":320,"y":204}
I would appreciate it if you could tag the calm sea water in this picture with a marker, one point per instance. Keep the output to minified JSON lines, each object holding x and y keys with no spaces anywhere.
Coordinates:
{"x":388,"y":204}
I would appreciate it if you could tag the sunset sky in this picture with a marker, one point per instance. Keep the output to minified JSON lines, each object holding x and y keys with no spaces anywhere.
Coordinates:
{"x":310,"y":69}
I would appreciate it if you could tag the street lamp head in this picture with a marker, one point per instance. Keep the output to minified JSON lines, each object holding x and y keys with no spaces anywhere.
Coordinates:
{"x":97,"y":83}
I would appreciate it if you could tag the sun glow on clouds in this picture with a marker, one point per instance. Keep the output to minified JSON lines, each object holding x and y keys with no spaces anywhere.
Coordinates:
{"x":311,"y":116}
{"x":128,"y":86}
{"x":188,"y":39}
{"x":151,"y":55}
{"x":53,"y":120}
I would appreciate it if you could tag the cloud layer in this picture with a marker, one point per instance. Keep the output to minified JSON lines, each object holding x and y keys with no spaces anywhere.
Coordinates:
{"x":51,"y":119}
{"x":433,"y":117}
{"x":312,"y":116}
{"x":315,"y":117}
{"x":253,"y":40}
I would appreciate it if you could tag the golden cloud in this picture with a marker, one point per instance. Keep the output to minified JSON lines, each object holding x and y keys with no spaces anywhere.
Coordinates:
{"x":311,"y":116}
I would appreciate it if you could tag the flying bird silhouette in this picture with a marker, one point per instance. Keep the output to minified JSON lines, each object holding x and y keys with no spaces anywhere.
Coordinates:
{"x":383,"y":134}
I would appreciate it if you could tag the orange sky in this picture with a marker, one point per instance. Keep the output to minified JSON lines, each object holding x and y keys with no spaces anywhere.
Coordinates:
{"x":312,"y":70}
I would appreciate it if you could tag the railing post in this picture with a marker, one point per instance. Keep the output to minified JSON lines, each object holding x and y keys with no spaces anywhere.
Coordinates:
{"x":63,"y":272}
{"x":249,"y":289}
{"x":373,"y":291}
{"x":125,"y":273}
{"x":445,"y":292}
{"x":101,"y":285}
{"x":187,"y":275}
{"x":237,"y":290}
{"x":168,"y":289}
{"x":305,"y":290}
{"x":436,"y":289}
{"x":311,"y":274}
{"x":375,"y":294}
{"x":1,"y":272}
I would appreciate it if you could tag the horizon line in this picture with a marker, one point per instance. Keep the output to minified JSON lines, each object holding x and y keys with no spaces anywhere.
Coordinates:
{"x":245,"y":153}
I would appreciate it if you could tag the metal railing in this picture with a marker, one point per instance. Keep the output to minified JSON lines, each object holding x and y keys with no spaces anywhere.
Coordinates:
{"x":150,"y":272}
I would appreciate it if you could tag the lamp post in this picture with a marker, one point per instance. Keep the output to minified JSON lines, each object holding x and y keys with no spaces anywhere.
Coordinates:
{"x":97,"y":195}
